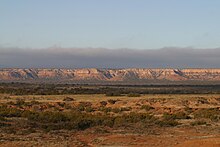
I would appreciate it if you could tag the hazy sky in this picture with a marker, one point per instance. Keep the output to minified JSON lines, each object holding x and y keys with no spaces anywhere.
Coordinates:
{"x":142,"y":24}
{"x":108,"y":58}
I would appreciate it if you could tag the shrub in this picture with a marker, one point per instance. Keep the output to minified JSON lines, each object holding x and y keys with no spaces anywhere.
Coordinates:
{"x":147,"y":107}
{"x":20,"y":102}
{"x":10,"y":112}
{"x":85,"y":104}
{"x":113,"y":94}
{"x":198,"y":122}
{"x":138,"y":117}
{"x":103,"y":103}
{"x":105,"y":109}
{"x":80,"y":108}
{"x":68,"y":99}
{"x":61,"y":104}
{"x":89,"y":109}
{"x":109,"y":121}
{"x":30,"y":115}
{"x":120,"y":121}
{"x":134,"y":95}
{"x":2,"y":118}
{"x":167,"y":123}
{"x":46,"y":117}
{"x":4,"y":125}
{"x":84,"y":124}
{"x":188,"y":110}
{"x":116,"y":110}
{"x":10,"y":103}
{"x":34,"y":102}
{"x":126,"y":109}
{"x":210,"y":113}
{"x":111,"y":101}
{"x":179,"y":115}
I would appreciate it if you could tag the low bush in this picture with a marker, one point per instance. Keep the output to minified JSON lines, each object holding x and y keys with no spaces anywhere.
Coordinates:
{"x":20,"y":102}
{"x":10,"y":112}
{"x":68,"y":99}
{"x":34,"y":102}
{"x":209,"y":113}
{"x":198,"y":122}
{"x":89,"y":109}
{"x":103,"y":103}
{"x":134,"y":95}
{"x":77,"y":120}
{"x":111,"y":101}
{"x":167,"y":123}
{"x":2,"y":118}
{"x":113,"y":94}
{"x":116,"y":110}
{"x":147,"y":107}
{"x":126,"y":109}
{"x":105,"y":109}
{"x":179,"y":115}
{"x":188,"y":110}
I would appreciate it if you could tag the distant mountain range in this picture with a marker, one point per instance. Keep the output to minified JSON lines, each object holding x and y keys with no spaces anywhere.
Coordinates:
{"x":91,"y":75}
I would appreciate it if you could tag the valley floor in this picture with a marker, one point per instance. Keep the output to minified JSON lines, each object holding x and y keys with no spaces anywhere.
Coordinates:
{"x":166,"y":120}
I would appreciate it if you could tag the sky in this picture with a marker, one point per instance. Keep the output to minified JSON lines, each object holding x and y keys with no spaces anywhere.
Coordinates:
{"x":113,"y":24}
{"x":109,"y":34}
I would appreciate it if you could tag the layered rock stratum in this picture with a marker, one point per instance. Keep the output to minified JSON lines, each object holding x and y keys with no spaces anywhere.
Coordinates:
{"x":109,"y":75}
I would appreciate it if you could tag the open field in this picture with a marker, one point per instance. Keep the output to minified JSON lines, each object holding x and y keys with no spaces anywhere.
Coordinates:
{"x":125,"y":119}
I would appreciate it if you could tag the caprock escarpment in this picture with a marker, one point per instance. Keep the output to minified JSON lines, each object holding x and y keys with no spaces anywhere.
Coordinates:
{"x":109,"y":75}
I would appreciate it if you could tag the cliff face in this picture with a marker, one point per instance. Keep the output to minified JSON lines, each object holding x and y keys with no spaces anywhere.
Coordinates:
{"x":110,"y":74}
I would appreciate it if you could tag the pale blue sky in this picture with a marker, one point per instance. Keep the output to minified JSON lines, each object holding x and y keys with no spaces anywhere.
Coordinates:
{"x":141,"y":24}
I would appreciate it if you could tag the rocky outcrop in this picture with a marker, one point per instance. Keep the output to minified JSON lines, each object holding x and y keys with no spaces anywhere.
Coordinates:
{"x":93,"y":74}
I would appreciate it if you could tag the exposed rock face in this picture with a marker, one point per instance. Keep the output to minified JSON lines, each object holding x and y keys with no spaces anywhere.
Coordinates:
{"x":111,"y":74}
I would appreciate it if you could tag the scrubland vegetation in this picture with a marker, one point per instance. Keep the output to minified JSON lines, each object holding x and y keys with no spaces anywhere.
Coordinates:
{"x":133,"y":112}
{"x":71,"y":115}
{"x":108,"y":90}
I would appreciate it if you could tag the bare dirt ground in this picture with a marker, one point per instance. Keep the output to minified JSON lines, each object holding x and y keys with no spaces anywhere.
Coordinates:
{"x":197,"y":131}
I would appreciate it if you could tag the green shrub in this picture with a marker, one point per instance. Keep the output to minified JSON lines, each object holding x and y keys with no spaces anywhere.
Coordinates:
{"x":34,"y":102}
{"x":116,"y":110}
{"x":209,"y":113}
{"x":138,"y":117}
{"x":68,"y":99}
{"x":188,"y":110}
{"x":113,"y":94}
{"x":89,"y":109}
{"x":198,"y":122}
{"x":83,"y":106}
{"x":179,"y":115}
{"x":80,"y":108}
{"x":51,"y":120}
{"x":46,"y":117}
{"x":134,"y":95}
{"x":10,"y":103}
{"x":147,"y":107}
{"x":120,"y":121}
{"x":105,"y":109}
{"x":103,"y":103}
{"x":20,"y":102}
{"x":10,"y":112}
{"x":2,"y":118}
{"x":31,"y":115}
{"x":84,"y":124}
{"x":167,"y":123}
{"x":108,"y":121}
{"x":61,"y":104}
{"x":126,"y":109}
{"x":2,"y":124}
{"x":111,"y":101}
